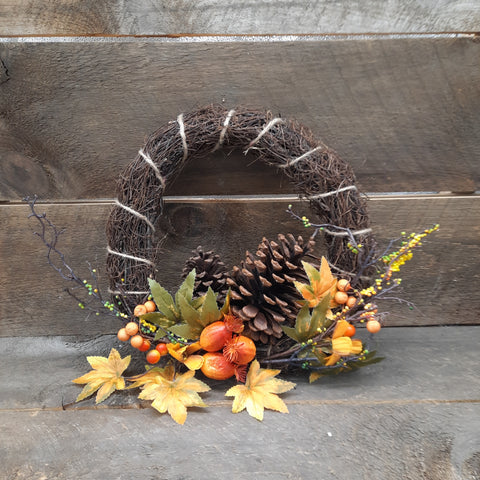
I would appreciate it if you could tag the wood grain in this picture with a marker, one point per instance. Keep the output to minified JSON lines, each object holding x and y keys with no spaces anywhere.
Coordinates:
{"x":143,"y":17}
{"x":388,"y":382}
{"x":415,"y":401}
{"x":438,"y":280}
{"x":436,"y":441}
{"x":403,"y":112}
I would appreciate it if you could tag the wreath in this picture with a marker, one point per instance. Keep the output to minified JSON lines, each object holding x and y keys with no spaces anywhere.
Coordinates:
{"x":284,"y":307}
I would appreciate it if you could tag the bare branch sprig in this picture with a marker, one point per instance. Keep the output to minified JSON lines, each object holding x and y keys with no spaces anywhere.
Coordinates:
{"x":50,"y":234}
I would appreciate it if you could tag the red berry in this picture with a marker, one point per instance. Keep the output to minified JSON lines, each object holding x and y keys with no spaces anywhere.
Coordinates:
{"x":162,"y":349}
{"x":153,"y":356}
{"x":350,"y":331}
{"x":145,"y":345}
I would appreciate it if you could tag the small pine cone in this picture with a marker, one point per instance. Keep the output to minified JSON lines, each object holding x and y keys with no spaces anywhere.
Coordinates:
{"x":210,"y":272}
{"x":263,"y":292}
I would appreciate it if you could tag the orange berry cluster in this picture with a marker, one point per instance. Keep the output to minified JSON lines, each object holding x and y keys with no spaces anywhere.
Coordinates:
{"x":228,"y":352}
{"x":344,"y":294}
{"x":144,"y":308}
{"x":131,"y":332}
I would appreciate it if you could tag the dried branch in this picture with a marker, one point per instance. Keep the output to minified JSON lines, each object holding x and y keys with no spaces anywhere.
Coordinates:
{"x":49,"y":234}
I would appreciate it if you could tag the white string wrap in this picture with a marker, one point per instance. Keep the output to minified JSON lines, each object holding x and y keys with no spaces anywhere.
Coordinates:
{"x":136,"y":214}
{"x":345,"y":234}
{"x":333,"y":192}
{"x":129,"y":292}
{"x":269,"y":125}
{"x":224,"y":130}
{"x":131,"y":257}
{"x":181,"y":126}
{"x":301,"y":157}
{"x":159,"y":176}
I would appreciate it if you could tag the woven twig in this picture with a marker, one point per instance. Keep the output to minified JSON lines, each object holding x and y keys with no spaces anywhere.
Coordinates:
{"x":319,"y":175}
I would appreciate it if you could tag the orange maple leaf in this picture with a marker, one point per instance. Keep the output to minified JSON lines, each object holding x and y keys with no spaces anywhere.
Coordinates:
{"x":322,"y":283}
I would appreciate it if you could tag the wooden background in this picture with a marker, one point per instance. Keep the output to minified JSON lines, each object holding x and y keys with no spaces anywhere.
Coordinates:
{"x":393,"y":86}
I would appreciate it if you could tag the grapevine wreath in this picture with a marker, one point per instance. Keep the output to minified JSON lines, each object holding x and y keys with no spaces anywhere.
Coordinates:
{"x":281,"y":308}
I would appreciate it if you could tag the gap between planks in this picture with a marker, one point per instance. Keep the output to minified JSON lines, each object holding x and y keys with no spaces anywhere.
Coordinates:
{"x":227,"y":403}
{"x":229,"y":38}
{"x":258,"y":198}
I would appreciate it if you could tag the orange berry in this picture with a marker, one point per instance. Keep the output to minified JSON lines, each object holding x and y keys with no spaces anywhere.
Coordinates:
{"x":343,"y":285}
{"x":373,"y":326}
{"x":150,"y":306}
{"x":350,"y":331}
{"x":214,"y":336}
{"x":123,"y":335}
{"x":140,"y":310}
{"x":341,"y":297}
{"x":136,"y":341}
{"x":131,"y":328}
{"x":153,"y":356}
{"x":162,"y":349}
{"x":351,"y":301}
{"x":145,"y":345}
{"x":240,"y":350}
{"x":216,"y":366}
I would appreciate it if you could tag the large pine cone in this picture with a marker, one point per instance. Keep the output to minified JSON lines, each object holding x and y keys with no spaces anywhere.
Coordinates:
{"x":263,"y":293}
{"x":210,"y":272}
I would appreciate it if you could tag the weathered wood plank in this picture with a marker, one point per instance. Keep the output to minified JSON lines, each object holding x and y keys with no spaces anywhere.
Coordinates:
{"x":439,"y":280}
{"x":434,"y":441}
{"x":404,"y":112}
{"x":413,"y":402}
{"x":137,"y":17}
{"x":28,"y":383}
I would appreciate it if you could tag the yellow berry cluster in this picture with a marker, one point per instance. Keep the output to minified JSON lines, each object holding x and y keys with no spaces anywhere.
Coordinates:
{"x":396,"y":259}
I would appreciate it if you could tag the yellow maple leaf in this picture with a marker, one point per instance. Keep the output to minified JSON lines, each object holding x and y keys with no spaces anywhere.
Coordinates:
{"x":149,"y":376}
{"x":322,"y":283}
{"x":259,"y":392}
{"x":172,"y":392}
{"x":106,"y":376}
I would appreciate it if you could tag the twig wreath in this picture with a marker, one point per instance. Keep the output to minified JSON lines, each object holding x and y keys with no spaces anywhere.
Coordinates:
{"x":282,"y":307}
{"x":317,"y":172}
